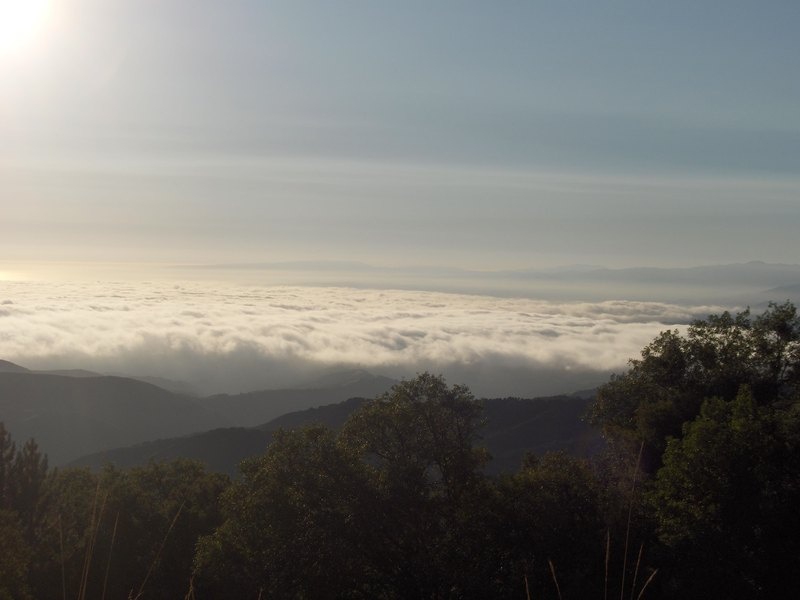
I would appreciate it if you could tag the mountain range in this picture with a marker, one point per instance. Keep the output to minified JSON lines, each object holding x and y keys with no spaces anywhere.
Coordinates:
{"x":88,"y":420}
{"x":513,"y":427}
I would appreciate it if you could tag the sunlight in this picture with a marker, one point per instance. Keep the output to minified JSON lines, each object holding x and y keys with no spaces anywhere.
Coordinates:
{"x":20,"y":21}
{"x":13,"y":275}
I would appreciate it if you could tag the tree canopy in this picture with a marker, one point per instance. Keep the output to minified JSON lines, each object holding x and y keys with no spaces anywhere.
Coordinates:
{"x":715,"y":357}
{"x":716,"y":409}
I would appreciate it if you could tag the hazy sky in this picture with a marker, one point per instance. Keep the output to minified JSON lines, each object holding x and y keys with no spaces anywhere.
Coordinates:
{"x":473,"y":134}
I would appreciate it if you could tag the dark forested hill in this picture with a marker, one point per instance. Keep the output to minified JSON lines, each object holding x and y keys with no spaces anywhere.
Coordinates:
{"x":90,"y":420}
{"x":253,"y":408}
{"x":221,"y":449}
{"x":74,"y":413}
{"x":9,"y":367}
{"x":73,"y":416}
{"x":513,"y":427}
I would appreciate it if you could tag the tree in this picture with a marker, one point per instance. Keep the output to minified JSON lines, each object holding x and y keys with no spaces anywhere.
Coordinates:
{"x":717,"y":410}
{"x":550,"y":511}
{"x":14,"y":559}
{"x":419,"y":442}
{"x":60,"y":545}
{"x":119,"y":532}
{"x":30,"y":474}
{"x":666,"y":387}
{"x":8,"y":453}
{"x":292,"y":525}
{"x":390,"y":508}
{"x":726,"y":501}
{"x":421,"y":435}
{"x":149,"y":521}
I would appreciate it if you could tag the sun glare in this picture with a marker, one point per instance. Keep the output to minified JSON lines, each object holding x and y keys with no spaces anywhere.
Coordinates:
{"x":20,"y":21}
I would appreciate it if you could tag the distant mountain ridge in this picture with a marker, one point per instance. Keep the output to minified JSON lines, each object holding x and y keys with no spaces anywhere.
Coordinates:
{"x":221,"y":449}
{"x":252,"y":408}
{"x":72,"y":413}
{"x":72,"y":416}
{"x":179,"y":387}
{"x":85,"y":420}
{"x":514,"y":426}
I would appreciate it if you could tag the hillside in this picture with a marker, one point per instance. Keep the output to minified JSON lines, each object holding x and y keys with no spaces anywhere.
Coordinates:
{"x":72,"y":413}
{"x":82,"y":419}
{"x":9,"y":367}
{"x":252,"y":408}
{"x":72,"y":416}
{"x":513,"y":427}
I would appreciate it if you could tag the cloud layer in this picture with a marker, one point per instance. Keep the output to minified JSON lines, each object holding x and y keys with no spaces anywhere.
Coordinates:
{"x":237,"y":338}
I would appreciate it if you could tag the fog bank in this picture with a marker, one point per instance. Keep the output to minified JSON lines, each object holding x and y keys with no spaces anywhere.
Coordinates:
{"x":237,"y":338}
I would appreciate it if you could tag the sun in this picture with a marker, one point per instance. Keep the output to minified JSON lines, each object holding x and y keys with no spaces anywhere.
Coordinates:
{"x":20,"y":21}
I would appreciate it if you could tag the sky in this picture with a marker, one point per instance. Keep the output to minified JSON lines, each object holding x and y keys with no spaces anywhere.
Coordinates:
{"x":246,"y":193}
{"x":480,"y":135}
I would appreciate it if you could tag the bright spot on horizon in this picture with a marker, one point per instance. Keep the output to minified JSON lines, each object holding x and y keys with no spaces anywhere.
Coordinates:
{"x":20,"y":21}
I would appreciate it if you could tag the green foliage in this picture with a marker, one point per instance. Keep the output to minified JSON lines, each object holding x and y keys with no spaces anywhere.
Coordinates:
{"x":30,"y":475}
{"x":726,"y":498}
{"x":289,"y":528}
{"x":8,"y":453}
{"x":420,"y":436}
{"x":396,"y":506}
{"x":370,"y":514}
{"x":80,"y":534}
{"x":717,"y":409}
{"x":550,"y":510}
{"x":666,"y":387}
{"x":160,"y":511}
{"x":59,"y":546}
{"x":418,"y":444}
{"x":23,"y":477}
{"x":14,"y":558}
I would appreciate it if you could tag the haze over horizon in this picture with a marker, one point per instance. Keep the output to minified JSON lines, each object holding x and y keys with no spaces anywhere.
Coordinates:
{"x":460,"y":134}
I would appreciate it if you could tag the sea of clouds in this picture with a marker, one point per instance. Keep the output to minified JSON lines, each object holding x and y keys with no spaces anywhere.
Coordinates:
{"x":222,"y":337}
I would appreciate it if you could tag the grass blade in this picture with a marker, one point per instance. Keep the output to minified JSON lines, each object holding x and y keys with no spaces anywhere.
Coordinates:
{"x":110,"y":550}
{"x":636,"y":571}
{"x":646,"y":583}
{"x":555,"y":579}
{"x":628,"y":527}
{"x":158,"y":554}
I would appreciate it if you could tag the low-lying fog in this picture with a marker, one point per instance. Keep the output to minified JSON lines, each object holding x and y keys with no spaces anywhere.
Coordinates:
{"x":231,"y":338}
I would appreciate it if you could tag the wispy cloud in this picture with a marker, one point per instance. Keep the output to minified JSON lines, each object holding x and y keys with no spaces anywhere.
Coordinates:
{"x":239,"y":337}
